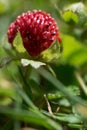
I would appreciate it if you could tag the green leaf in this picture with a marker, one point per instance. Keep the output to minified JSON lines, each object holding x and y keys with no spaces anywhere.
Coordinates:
{"x":70,"y":16}
{"x":34,"y":64}
{"x":74,"y":52}
{"x":18,"y":43}
{"x":75,"y":13}
{"x":64,"y":102}
{"x":76,"y":125}
{"x":32,"y":117}
{"x":57,"y":94}
{"x":58,"y":85}
{"x":70,"y":118}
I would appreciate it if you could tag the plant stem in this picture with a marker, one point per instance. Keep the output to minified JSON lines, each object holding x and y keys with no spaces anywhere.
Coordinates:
{"x":81,"y":82}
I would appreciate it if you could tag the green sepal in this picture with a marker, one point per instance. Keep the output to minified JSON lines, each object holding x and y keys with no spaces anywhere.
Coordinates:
{"x":18,"y":43}
{"x":52,"y":53}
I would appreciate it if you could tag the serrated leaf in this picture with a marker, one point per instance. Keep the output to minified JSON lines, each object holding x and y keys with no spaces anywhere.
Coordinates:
{"x":78,"y":13}
{"x":70,"y":16}
{"x":56,"y":95}
{"x":34,"y":64}
{"x":18,"y":43}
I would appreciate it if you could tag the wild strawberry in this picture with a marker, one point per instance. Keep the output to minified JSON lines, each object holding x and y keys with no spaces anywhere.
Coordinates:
{"x":38,"y":31}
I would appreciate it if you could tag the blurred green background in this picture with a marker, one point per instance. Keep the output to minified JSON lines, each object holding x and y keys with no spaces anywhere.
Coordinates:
{"x":71,"y":16}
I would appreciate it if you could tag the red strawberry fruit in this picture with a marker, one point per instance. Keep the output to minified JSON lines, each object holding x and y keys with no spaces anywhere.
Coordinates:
{"x":38,"y":31}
